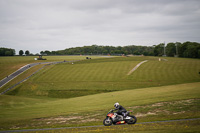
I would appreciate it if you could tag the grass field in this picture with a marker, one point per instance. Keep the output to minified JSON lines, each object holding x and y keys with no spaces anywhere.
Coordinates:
{"x":11,"y":63}
{"x":106,"y":75}
{"x":17,"y":110}
{"x":81,"y":94}
{"x":170,"y":127}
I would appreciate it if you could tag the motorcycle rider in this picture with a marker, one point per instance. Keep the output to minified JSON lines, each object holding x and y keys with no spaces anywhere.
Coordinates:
{"x":121,"y":110}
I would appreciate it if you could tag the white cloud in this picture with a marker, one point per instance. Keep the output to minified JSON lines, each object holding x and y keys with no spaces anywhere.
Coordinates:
{"x":58,"y":24}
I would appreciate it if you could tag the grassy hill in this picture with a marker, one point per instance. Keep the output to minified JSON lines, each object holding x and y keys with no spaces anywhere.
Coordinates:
{"x":88,"y":77}
{"x":87,"y":89}
{"x":10,"y":64}
{"x":18,"y":111}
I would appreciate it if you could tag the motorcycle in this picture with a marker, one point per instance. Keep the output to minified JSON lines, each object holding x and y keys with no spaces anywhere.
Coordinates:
{"x":113,"y":118}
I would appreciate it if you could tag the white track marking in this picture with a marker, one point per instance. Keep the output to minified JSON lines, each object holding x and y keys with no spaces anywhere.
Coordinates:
{"x":136,"y":67}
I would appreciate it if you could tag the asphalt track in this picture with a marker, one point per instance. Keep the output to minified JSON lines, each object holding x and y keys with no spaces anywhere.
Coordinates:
{"x":19,"y":71}
{"x":47,"y":129}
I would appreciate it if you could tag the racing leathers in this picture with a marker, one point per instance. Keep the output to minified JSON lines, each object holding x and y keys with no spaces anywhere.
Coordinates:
{"x":121,"y":110}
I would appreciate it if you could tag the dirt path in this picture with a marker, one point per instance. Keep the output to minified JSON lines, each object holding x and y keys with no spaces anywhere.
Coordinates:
{"x":137,"y":66}
{"x":46,"y":129}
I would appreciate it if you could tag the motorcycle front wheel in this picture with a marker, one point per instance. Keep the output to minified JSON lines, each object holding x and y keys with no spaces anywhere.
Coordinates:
{"x":133,"y":120}
{"x":107,"y":121}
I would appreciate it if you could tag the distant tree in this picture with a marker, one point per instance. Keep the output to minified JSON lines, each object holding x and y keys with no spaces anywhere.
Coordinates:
{"x":159,"y":49}
{"x":21,"y":52}
{"x":189,"y":49}
{"x":7,"y":52}
{"x":47,"y":52}
{"x":193,"y":49}
{"x":41,"y":52}
{"x":182,"y":49}
{"x":186,"y":49}
{"x":53,"y":52}
{"x":12,"y":52}
{"x":171,"y":49}
{"x":27,"y":52}
{"x":1,"y":51}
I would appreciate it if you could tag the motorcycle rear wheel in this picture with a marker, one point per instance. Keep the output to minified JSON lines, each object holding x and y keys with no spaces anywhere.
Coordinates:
{"x":107,"y":121}
{"x":132,"y":121}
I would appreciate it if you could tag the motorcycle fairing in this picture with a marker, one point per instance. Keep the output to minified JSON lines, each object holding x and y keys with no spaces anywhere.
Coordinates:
{"x":111,"y":115}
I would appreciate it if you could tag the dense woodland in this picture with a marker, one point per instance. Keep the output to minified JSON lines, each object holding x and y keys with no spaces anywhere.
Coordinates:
{"x":186,"y":49}
{"x":7,"y":52}
{"x":103,"y":50}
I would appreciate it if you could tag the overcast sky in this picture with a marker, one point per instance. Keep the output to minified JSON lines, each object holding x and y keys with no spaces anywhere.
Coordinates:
{"x":38,"y":25}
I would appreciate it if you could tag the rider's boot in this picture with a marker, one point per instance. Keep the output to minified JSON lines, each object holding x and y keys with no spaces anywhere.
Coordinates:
{"x":124,"y":115}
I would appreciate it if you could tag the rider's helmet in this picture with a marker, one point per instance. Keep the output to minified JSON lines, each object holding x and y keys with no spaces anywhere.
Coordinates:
{"x":116,"y":105}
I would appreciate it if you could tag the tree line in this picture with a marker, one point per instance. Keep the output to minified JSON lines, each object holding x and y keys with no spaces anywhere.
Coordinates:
{"x":7,"y":52}
{"x":11,"y":52}
{"x":21,"y":52}
{"x":186,"y":50}
{"x":102,"y":50}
